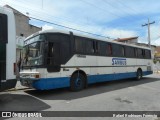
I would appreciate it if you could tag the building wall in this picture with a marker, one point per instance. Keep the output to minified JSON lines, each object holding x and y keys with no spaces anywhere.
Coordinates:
{"x":130,"y":41}
{"x":133,"y":41}
{"x":157,"y":52}
{"x":23,"y":28}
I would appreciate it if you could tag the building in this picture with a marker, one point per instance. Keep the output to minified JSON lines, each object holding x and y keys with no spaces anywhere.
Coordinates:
{"x":157,"y":52}
{"x":128,"y":40}
{"x":23,"y":28}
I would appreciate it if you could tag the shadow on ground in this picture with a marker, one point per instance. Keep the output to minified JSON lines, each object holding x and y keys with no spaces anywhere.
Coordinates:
{"x":18,"y":102}
{"x":98,"y":88}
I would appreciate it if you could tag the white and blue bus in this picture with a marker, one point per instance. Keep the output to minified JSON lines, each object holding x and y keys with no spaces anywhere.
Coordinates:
{"x":7,"y":49}
{"x":57,"y":59}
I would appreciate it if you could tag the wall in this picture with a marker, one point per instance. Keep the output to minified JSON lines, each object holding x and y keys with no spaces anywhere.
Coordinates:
{"x":23,"y":28}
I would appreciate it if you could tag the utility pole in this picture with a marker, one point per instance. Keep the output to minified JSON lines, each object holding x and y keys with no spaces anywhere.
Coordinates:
{"x":149,"y":37}
{"x":42,"y":4}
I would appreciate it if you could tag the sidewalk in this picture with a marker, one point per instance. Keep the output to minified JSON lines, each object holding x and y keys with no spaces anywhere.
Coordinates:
{"x":156,"y":68}
{"x":156,"y":72}
{"x":19,"y":86}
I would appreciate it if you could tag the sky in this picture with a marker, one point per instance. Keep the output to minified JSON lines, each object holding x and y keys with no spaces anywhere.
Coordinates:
{"x":110,"y":18}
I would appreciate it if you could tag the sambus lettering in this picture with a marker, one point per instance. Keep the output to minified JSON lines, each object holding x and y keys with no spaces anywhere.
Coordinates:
{"x":119,"y":61}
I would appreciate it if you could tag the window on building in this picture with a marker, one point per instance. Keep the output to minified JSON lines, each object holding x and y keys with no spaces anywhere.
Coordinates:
{"x":21,"y":35}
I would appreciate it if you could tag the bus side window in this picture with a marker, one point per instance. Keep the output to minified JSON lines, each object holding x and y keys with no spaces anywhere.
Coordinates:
{"x":53,"y":58}
{"x":102,"y":49}
{"x":97,"y":48}
{"x":65,"y":48}
{"x":79,"y":45}
{"x":140,"y":53}
{"x":90,"y":46}
{"x":109,"y":49}
{"x":123,"y":51}
{"x":3,"y":28}
{"x":130,"y":52}
{"x":143,"y":53}
{"x":148,"y":54}
{"x":135,"y":52}
{"x":50,"y":53}
{"x":93,"y":47}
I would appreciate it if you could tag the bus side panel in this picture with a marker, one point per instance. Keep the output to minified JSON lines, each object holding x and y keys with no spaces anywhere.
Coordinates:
{"x":9,"y":83}
{"x":11,"y":48}
{"x":51,"y":83}
{"x":147,"y":73}
{"x":97,"y":69}
{"x":2,"y":65}
{"x":3,"y":61}
{"x":8,"y":79}
{"x":110,"y":77}
{"x":62,"y":82}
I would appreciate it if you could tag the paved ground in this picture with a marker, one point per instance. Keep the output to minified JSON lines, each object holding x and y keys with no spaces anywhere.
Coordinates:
{"x":124,"y":95}
{"x":156,"y":67}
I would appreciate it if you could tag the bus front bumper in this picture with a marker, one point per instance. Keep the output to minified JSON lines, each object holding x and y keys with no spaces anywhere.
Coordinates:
{"x":28,"y":82}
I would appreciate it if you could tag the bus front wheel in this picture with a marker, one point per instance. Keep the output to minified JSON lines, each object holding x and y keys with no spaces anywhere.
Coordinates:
{"x":77,"y":82}
{"x":139,"y":74}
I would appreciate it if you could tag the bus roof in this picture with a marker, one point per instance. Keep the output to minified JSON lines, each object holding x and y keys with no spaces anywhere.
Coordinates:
{"x":83,"y":35}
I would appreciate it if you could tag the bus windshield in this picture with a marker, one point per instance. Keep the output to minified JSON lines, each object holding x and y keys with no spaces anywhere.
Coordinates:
{"x":34,"y":52}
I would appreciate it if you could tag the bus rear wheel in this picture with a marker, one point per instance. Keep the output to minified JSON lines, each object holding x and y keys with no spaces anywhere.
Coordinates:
{"x":77,"y":82}
{"x":139,"y":74}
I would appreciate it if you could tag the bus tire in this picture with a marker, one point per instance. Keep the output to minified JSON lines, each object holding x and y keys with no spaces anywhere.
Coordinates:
{"x":77,"y":82}
{"x":139,"y":74}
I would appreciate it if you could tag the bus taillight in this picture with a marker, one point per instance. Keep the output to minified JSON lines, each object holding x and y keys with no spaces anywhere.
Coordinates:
{"x":14,"y":68}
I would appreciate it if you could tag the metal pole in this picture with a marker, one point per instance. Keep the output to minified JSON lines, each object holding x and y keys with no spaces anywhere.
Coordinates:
{"x":149,"y":38}
{"x":148,"y":25}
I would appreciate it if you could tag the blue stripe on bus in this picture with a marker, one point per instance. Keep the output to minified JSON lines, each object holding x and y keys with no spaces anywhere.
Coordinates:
{"x":53,"y":83}
{"x":117,"y":76}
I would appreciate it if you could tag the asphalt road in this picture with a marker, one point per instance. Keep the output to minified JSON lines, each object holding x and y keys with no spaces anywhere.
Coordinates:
{"x":123,"y":95}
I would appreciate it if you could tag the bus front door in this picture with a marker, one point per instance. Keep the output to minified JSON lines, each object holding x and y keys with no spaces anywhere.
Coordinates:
{"x":53,"y":58}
